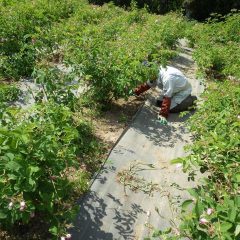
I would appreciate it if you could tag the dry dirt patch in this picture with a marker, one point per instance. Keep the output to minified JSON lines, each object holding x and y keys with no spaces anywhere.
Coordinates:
{"x":110,"y":124}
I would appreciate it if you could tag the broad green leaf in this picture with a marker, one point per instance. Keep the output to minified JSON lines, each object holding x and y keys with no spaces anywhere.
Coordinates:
{"x":25,"y":138}
{"x":53,"y":230}
{"x":227,"y":236}
{"x":10,"y":156}
{"x":12,"y":165}
{"x":12,"y":177}
{"x":199,"y":208}
{"x":33,"y":169}
{"x":237,"y":177}
{"x":2,"y":215}
{"x":225,"y":226}
{"x":31,"y":182}
{"x":237,"y":199}
{"x":186,"y":203}
{"x":237,"y":230}
{"x":193,"y":192}
{"x":232,"y":214}
{"x":4,"y":131}
{"x":178,"y":160}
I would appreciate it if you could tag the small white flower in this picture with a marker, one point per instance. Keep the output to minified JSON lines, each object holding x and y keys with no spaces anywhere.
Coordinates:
{"x":63,"y":238}
{"x":32,"y":215}
{"x":68,"y":236}
{"x":22,"y":206}
{"x":209,"y":211}
{"x":203,"y":221}
{"x":238,"y":116}
{"x":179,"y":165}
{"x":10,"y":205}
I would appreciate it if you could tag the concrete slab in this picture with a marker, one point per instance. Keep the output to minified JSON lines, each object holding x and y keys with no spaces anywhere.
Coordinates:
{"x":110,"y":211}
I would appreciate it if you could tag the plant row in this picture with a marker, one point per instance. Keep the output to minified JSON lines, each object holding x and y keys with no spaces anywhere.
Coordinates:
{"x":215,"y":206}
{"x":21,"y":23}
{"x":213,"y":212}
{"x":217,"y":45}
{"x":108,"y":47}
{"x":47,"y":153}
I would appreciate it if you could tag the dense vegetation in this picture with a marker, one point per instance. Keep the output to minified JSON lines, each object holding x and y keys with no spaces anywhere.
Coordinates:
{"x":21,"y":24}
{"x":63,"y":45}
{"x":216,"y":127}
{"x":214,"y":210}
{"x":194,"y":9}
{"x":216,"y":203}
{"x":155,"y":6}
{"x":40,"y":148}
{"x":217,"y":46}
{"x":66,"y":44}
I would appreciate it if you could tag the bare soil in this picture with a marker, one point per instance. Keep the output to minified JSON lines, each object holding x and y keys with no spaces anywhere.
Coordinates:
{"x":110,"y":125}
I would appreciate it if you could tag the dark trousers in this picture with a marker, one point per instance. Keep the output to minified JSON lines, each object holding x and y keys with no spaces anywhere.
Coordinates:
{"x":185,"y":105}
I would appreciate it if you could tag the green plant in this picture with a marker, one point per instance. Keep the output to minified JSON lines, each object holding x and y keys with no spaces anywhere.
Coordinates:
{"x":154,"y":6}
{"x":56,"y":86}
{"x":111,"y":53}
{"x":24,"y":26}
{"x":39,"y":149}
{"x":9,"y":93}
{"x":214,"y":212}
{"x":217,"y":45}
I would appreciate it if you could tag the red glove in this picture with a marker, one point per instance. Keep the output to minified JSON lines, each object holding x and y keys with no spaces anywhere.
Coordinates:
{"x":165,"y":107}
{"x":142,"y":88}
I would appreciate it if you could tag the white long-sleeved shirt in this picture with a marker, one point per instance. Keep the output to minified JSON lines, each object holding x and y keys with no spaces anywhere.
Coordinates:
{"x":173,"y":84}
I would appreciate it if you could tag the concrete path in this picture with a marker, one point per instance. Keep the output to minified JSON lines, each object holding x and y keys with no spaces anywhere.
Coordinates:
{"x":110,"y":210}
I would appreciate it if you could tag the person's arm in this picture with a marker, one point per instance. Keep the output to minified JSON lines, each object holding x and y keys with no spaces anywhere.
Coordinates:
{"x":165,"y":108}
{"x":141,"y":88}
{"x":144,"y":87}
{"x":166,"y":103}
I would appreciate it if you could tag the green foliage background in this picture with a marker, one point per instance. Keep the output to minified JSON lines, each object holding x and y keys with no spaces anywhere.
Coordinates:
{"x":52,"y":144}
{"x":217,"y":45}
{"x":105,"y":48}
{"x":194,"y":9}
{"x":216,"y":128}
{"x":154,"y":6}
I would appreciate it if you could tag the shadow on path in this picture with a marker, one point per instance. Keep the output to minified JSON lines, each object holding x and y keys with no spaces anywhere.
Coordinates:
{"x":89,"y":220}
{"x":164,"y":135}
